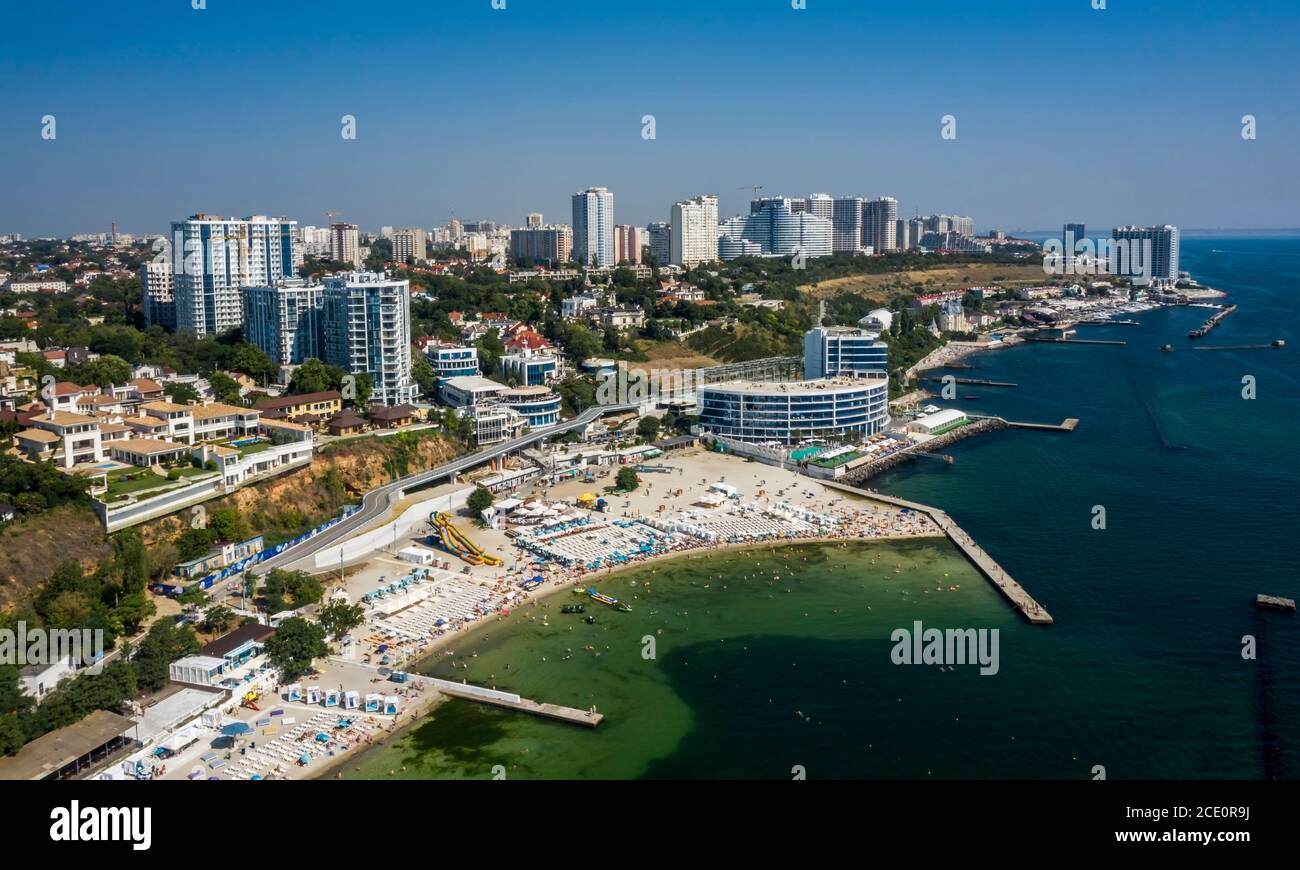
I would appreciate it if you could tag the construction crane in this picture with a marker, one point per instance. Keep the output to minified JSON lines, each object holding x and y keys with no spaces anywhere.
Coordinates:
{"x":754,"y":187}
{"x":329,"y":215}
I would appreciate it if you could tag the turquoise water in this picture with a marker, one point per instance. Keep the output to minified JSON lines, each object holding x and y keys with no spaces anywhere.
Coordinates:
{"x":1142,"y":672}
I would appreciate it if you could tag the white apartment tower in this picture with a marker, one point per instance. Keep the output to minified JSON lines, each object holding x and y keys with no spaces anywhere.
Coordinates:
{"x":345,"y":245}
{"x":212,"y":258}
{"x":694,"y":231}
{"x":593,"y":227}
{"x":409,"y":243}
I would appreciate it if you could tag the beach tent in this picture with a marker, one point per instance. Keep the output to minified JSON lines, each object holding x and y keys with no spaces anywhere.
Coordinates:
{"x":391,"y":705}
{"x":373,"y":703}
{"x":331,"y":697}
{"x":313,"y":694}
{"x":293,"y":692}
{"x":351,"y":700}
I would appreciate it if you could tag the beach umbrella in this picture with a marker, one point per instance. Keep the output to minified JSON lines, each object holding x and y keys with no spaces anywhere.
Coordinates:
{"x":305,"y":758}
{"x":383,"y":672}
{"x":235,"y":729}
{"x":322,"y":737}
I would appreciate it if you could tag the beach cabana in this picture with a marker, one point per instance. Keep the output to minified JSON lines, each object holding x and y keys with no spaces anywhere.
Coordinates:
{"x":313,"y":694}
{"x":293,"y":692}
{"x":391,"y":705}
{"x":373,"y":703}
{"x":351,"y":700}
{"x":331,"y":697}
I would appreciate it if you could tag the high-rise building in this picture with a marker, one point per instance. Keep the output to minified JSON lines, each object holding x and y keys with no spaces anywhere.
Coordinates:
{"x":879,"y":224}
{"x":831,"y":351}
{"x":694,"y":231}
{"x":212,"y":258}
{"x":158,"y":294}
{"x":409,"y":243}
{"x":285,"y":320}
{"x":1071,"y":235}
{"x":846,"y":224}
{"x":774,"y":231}
{"x":550,"y":245}
{"x":660,"y":235}
{"x":593,"y":227}
{"x":1147,"y":255}
{"x":902,"y":234}
{"x":820,"y":204}
{"x":628,"y":241}
{"x":534,"y":220}
{"x":344,"y":244}
{"x":367,"y":330}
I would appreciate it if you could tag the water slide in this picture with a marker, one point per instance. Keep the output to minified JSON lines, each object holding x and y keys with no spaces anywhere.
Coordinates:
{"x":454,"y":541}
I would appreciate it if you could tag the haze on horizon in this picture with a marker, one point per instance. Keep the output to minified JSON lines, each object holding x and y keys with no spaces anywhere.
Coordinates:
{"x":1064,"y":113}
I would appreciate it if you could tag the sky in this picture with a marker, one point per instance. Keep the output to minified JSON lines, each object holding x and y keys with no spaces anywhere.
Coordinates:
{"x":1128,"y":114}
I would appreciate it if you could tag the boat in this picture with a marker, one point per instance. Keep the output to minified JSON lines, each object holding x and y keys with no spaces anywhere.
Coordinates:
{"x":1168,"y":348}
{"x":590,"y":620}
{"x":573,"y":608}
{"x":970,"y":398}
{"x":1279,"y":343}
{"x":530,"y":585}
{"x":609,"y":600}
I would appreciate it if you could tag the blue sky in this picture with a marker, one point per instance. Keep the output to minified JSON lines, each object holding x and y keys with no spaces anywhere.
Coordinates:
{"x":1129,"y":114}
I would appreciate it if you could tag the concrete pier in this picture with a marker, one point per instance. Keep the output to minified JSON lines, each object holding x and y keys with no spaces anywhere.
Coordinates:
{"x":1021,"y":600}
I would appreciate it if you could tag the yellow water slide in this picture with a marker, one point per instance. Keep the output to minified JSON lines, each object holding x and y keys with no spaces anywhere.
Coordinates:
{"x":456,"y":542}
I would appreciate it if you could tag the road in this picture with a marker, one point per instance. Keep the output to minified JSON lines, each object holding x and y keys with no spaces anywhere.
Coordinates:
{"x":377,"y":501}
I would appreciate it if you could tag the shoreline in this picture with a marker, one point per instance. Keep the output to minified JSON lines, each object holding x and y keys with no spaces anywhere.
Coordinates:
{"x":435,"y":699}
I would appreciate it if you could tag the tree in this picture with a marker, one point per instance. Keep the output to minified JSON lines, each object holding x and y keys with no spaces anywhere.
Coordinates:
{"x":310,"y":377}
{"x":338,"y":617}
{"x":295,"y":645}
{"x":225,"y":389}
{"x":193,"y":596}
{"x":102,"y":372}
{"x":479,"y":500}
{"x":648,"y":427}
{"x":626,"y":478}
{"x":217,"y":619}
{"x":183,"y":393}
{"x":165,"y":643}
{"x":228,"y":524}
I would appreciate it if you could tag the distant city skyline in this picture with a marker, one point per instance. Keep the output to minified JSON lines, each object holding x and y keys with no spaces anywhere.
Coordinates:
{"x":168,"y":111}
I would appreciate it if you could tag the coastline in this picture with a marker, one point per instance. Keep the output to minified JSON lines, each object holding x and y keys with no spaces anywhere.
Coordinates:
{"x":416,"y":713}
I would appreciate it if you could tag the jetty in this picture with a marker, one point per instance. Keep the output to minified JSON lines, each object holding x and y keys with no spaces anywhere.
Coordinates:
{"x":1020,"y":599}
{"x":1274,"y":602}
{"x":1075,"y":341}
{"x":1069,"y":424}
{"x":1215,"y":319}
{"x":492,"y":697}
{"x":1108,"y":323}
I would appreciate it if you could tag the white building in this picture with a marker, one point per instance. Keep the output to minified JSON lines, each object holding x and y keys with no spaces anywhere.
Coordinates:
{"x":409,"y":243}
{"x":593,"y":227}
{"x":694,"y":231}
{"x":367,"y":330}
{"x":212,"y":258}
{"x":345,"y":246}
{"x":158,"y":293}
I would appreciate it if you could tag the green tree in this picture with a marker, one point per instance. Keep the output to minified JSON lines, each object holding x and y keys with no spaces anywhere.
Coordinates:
{"x":228,"y":524}
{"x":182,"y":393}
{"x":217,"y":619}
{"x":338,"y":617}
{"x":310,"y":377}
{"x":626,"y":478}
{"x":648,"y":427}
{"x":479,"y":500}
{"x":295,"y":645}
{"x":225,"y":389}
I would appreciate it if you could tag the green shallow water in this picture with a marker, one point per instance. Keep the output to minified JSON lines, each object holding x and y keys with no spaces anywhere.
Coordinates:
{"x":778,"y":669}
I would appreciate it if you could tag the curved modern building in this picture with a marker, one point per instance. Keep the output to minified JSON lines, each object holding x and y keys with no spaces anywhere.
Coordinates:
{"x":787,"y":413}
{"x":778,"y":231}
{"x":537,"y":405}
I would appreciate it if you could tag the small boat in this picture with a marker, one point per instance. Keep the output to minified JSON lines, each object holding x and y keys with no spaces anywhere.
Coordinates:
{"x":1279,"y":343}
{"x":970,"y":398}
{"x":623,"y":607}
{"x":1168,"y":348}
{"x":530,"y":585}
{"x":573,"y":608}
{"x":590,"y":620}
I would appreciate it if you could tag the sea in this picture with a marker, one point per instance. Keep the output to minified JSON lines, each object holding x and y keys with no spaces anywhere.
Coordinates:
{"x":1147,"y":533}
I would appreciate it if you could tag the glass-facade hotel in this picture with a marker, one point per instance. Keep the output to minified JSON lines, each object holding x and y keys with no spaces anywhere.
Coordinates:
{"x":787,"y":413}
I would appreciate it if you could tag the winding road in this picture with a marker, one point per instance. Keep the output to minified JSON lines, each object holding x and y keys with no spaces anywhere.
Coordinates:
{"x":377,"y":502}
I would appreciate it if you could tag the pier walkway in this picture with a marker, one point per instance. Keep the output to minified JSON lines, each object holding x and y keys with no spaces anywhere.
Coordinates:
{"x":494,"y":697}
{"x":1021,"y":600}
